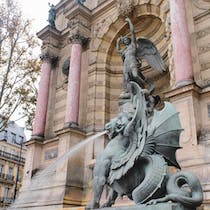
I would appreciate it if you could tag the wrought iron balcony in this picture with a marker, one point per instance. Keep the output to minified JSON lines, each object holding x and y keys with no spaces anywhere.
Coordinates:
{"x":12,"y":157}
{"x":7,"y":178}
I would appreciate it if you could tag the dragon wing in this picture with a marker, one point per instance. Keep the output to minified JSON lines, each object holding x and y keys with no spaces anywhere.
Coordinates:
{"x":164,"y":139}
{"x":146,"y":49}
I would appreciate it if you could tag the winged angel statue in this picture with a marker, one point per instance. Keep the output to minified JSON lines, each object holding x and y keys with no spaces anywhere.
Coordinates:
{"x":134,"y":51}
{"x":143,"y":142}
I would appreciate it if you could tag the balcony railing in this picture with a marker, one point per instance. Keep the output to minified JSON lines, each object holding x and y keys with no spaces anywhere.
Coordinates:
{"x":6,"y":177}
{"x":9,"y":177}
{"x":12,"y":157}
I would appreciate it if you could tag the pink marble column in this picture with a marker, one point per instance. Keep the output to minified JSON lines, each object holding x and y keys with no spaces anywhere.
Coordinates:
{"x":42,"y":101}
{"x":181,"y":44}
{"x":73,"y":94}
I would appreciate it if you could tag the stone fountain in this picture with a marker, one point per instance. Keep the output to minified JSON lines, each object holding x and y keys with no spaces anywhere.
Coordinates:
{"x":143,"y":142}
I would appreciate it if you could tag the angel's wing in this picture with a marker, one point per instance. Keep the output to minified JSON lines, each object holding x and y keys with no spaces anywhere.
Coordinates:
{"x":146,"y":49}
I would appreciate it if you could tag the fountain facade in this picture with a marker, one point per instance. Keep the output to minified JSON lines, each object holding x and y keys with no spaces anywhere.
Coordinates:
{"x":81,"y":102}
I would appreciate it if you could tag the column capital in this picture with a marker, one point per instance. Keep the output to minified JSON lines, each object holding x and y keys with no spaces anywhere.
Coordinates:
{"x":48,"y":57}
{"x":78,"y":38}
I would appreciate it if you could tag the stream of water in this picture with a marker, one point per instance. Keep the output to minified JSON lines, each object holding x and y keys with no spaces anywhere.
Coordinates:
{"x":46,"y":178}
{"x":68,"y":155}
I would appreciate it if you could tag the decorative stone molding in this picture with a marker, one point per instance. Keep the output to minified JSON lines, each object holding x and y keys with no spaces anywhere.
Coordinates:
{"x":79,"y":18}
{"x":102,"y":27}
{"x":203,"y":83}
{"x":73,"y":22}
{"x":170,"y":51}
{"x":201,"y":4}
{"x":125,"y":7}
{"x":78,"y":38}
{"x":54,"y":34}
{"x":48,"y":57}
{"x":204,"y":135}
{"x":51,"y":153}
{"x":202,"y":33}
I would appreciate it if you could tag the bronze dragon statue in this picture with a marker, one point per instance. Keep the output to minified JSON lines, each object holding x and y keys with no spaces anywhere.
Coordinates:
{"x":144,"y":141}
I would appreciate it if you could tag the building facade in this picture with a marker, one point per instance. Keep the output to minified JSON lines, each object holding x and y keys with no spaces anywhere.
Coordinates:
{"x":82,"y":79}
{"x":12,"y":159}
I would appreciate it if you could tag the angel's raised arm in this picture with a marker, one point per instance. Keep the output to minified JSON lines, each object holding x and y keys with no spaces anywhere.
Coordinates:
{"x":119,"y":50}
{"x":133,"y":36}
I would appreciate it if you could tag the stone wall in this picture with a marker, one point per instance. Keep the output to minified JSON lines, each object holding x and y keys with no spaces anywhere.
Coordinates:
{"x":100,"y":24}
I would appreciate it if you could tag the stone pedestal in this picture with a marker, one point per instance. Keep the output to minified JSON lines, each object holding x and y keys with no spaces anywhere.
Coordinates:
{"x":62,"y":185}
{"x":191,"y":102}
{"x":160,"y":206}
{"x":186,"y":101}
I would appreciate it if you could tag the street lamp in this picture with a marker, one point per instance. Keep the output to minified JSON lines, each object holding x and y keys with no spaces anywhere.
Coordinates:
{"x":18,"y":169}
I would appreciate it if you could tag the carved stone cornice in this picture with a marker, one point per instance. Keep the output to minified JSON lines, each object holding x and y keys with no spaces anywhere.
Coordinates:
{"x":125,"y":7}
{"x":102,"y":27}
{"x":78,"y":30}
{"x":50,"y":36}
{"x":79,"y":24}
{"x":49,"y":57}
{"x":78,"y":38}
{"x":76,"y":21}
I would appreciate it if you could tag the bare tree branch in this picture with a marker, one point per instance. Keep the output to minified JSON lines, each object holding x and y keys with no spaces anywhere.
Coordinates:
{"x":19,"y":67}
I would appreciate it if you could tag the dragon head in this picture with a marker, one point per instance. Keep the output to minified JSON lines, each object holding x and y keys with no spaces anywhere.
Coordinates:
{"x":117,"y":124}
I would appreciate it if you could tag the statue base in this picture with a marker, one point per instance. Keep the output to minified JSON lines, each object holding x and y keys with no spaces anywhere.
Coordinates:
{"x":159,"y":206}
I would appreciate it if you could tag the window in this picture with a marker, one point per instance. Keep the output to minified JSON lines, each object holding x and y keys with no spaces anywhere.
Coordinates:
{"x":18,"y":175}
{"x":12,"y":152}
{"x":5,"y":134}
{"x":10,"y":171}
{"x":21,"y":139}
{"x":3,"y":150}
{"x":6,"y":192}
{"x":13,"y":137}
{"x":10,"y":174}
{"x":1,"y":169}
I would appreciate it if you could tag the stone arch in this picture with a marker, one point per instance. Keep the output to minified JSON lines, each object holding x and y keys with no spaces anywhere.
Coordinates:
{"x":153,"y":13}
{"x":154,"y":8}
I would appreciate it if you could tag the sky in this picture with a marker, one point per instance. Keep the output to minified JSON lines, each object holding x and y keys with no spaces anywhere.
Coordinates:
{"x":37,"y":11}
